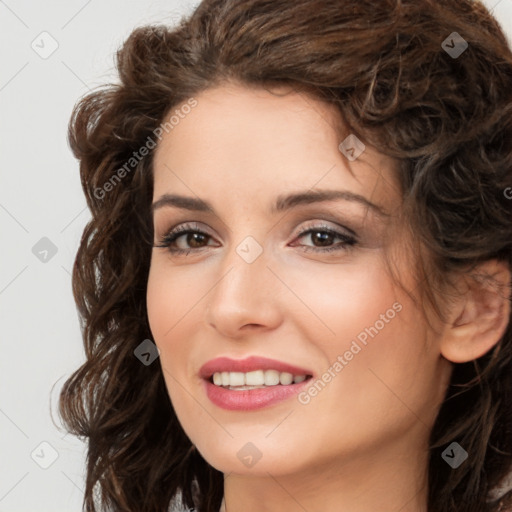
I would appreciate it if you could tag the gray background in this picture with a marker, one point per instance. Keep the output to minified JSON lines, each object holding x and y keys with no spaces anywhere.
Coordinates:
{"x":41,"y":198}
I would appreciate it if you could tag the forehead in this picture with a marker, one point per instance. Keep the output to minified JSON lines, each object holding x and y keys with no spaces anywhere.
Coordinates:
{"x":231,"y":114}
{"x":254,"y":139}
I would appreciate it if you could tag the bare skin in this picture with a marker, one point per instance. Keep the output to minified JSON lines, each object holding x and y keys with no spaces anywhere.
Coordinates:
{"x":361,"y":443}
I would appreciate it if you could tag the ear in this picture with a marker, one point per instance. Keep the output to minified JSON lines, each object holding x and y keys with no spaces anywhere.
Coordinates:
{"x":481,"y":314}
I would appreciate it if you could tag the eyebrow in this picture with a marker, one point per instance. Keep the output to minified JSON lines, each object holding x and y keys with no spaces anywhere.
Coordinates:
{"x":282,"y":203}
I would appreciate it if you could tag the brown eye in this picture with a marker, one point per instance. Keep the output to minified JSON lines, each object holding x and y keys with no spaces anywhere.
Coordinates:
{"x":191,"y":236}
{"x":325,"y":237}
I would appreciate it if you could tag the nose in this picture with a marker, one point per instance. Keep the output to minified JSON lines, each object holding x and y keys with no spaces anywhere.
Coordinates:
{"x":246,"y":297}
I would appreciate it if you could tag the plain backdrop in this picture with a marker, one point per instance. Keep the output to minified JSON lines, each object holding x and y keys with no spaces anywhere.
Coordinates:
{"x":53,"y":53}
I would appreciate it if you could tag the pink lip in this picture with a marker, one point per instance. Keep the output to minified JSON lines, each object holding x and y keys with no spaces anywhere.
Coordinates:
{"x":250,"y":399}
{"x":225,"y":364}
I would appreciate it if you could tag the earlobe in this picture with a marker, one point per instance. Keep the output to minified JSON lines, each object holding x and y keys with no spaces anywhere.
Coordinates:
{"x":481,"y":317}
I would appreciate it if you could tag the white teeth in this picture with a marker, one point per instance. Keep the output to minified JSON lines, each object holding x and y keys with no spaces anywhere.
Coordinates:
{"x":236,"y":379}
{"x":285,"y":378}
{"x":255,"y":379}
{"x":271,"y":378}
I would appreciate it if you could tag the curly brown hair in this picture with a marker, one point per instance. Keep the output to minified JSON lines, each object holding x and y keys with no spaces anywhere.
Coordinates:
{"x":382,"y":66}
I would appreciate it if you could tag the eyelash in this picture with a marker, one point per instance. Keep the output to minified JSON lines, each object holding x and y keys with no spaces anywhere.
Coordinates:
{"x":169,"y":238}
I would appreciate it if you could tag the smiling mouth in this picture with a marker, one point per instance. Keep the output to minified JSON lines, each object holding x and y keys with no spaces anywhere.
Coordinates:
{"x":257,"y":379}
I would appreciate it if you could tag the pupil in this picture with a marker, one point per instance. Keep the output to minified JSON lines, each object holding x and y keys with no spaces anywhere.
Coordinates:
{"x":323,"y":237}
{"x":194,"y":239}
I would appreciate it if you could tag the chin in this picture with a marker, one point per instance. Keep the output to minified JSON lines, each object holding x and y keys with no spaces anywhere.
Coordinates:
{"x":252,"y":458}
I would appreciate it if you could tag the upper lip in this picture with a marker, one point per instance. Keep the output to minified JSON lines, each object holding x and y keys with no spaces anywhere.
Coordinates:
{"x":226,"y":364}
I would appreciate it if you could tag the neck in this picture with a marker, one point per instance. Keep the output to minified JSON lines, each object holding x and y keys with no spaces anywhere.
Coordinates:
{"x":387,"y":479}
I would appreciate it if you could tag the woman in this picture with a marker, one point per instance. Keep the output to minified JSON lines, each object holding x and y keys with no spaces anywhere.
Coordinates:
{"x":295,"y":286}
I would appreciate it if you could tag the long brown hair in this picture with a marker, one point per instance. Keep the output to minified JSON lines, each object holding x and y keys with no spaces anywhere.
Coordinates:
{"x":383,"y":65}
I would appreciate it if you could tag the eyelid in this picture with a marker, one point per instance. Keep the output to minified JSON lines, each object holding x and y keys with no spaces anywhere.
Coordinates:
{"x":185,"y":225}
{"x":321,"y":220}
{"x":322,"y":223}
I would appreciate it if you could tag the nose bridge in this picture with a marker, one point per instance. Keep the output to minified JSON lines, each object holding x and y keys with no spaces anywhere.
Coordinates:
{"x":245,"y":292}
{"x":245,"y":272}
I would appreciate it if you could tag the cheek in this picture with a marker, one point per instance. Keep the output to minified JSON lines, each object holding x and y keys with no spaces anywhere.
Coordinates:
{"x":158,"y":303}
{"x":170,"y":297}
{"x":170,"y":301}
{"x":175,"y":307}
{"x":379,"y":364}
{"x":383,"y":376}
{"x":342,"y":299}
{"x":167,"y":302}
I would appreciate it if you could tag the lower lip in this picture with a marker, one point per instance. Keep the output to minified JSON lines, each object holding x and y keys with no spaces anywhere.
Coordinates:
{"x":251,"y":399}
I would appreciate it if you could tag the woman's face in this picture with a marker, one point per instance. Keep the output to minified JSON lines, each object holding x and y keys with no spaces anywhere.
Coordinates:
{"x":299,"y":281}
